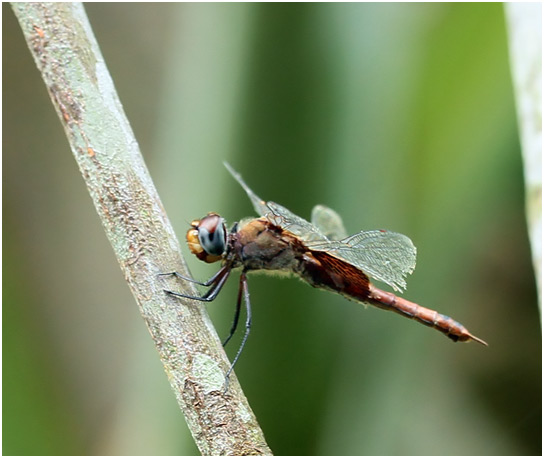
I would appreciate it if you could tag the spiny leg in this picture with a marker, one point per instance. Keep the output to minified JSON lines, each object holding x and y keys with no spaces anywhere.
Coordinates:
{"x":192,"y":280}
{"x":243,"y":287}
{"x":218,"y":282}
{"x":215,"y":277}
{"x":236,"y":317}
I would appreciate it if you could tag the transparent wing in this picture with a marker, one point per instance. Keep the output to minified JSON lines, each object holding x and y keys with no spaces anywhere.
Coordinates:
{"x":258,"y":204}
{"x":383,"y":255}
{"x":279,"y":215}
{"x":328,"y":222}
{"x":298,"y":226}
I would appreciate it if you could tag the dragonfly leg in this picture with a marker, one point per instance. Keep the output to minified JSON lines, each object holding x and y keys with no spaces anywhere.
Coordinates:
{"x":192,"y":280}
{"x":217,"y":283}
{"x":242,"y":289}
{"x":236,"y":317}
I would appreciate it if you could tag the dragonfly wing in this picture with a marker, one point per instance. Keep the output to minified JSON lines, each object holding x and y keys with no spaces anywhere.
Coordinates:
{"x":279,"y":215}
{"x":328,"y":222}
{"x":258,"y":204}
{"x":298,"y":226}
{"x":383,"y":255}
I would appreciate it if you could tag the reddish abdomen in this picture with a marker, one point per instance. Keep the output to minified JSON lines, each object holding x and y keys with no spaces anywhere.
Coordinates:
{"x":451,"y":328}
{"x":338,"y":275}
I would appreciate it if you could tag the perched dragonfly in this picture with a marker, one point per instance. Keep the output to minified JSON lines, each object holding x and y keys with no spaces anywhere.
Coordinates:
{"x":320,"y":252}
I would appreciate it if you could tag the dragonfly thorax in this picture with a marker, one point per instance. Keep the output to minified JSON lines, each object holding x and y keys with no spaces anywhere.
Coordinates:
{"x":207,"y":238}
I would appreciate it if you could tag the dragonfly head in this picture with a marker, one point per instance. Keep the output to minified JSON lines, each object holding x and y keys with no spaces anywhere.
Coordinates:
{"x":207,"y":238}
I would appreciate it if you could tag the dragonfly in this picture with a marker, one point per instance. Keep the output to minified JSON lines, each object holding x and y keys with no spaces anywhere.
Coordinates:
{"x":319,"y":252}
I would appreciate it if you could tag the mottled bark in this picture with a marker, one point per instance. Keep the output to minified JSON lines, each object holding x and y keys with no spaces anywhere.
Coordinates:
{"x":64,"y":48}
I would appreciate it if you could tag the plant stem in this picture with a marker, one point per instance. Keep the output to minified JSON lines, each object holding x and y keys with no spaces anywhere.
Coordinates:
{"x":67,"y":55}
{"x":524,"y":21}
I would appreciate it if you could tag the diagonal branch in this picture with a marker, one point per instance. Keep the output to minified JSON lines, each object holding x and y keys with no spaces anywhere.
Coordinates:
{"x":524,"y":21}
{"x":67,"y":55}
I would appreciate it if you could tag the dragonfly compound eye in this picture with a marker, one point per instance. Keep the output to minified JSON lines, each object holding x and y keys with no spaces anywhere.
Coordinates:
{"x":207,"y":239}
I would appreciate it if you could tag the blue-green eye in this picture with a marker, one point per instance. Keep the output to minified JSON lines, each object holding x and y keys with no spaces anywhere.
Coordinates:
{"x":212,"y":234}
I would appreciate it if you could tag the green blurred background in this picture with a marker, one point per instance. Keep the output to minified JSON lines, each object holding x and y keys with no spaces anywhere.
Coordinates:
{"x":399,"y":116}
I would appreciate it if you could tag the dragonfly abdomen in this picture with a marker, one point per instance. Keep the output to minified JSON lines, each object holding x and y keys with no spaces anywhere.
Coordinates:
{"x":324,"y":271}
{"x":448,"y":326}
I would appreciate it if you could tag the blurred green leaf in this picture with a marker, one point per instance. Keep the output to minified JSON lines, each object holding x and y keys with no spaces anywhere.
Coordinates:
{"x":398,"y":116}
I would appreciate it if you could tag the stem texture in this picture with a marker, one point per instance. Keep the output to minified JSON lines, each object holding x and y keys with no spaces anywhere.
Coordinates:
{"x":67,"y":55}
